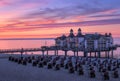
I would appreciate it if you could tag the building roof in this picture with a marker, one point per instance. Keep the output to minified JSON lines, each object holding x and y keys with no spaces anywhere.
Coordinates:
{"x":71,"y":30}
{"x":79,"y":29}
{"x":108,"y":35}
{"x":95,"y":36}
{"x":63,"y":37}
{"x":71,"y":35}
{"x":79,"y":35}
{"x":92,"y":36}
{"x":57,"y":38}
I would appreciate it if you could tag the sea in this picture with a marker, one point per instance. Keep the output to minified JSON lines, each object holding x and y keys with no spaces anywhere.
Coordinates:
{"x":37,"y":43}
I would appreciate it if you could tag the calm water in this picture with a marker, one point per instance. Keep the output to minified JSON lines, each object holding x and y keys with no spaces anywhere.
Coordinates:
{"x":12,"y":44}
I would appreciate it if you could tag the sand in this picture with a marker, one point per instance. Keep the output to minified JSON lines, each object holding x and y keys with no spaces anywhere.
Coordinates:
{"x":11,"y":71}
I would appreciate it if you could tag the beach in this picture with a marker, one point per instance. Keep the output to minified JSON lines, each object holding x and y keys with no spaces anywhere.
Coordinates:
{"x":11,"y":71}
{"x":59,"y":40}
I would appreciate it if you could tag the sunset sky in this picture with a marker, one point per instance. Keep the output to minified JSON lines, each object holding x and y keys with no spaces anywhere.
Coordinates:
{"x":52,"y":18}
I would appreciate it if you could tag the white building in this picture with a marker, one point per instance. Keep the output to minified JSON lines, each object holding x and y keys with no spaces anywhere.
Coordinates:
{"x":88,"y":42}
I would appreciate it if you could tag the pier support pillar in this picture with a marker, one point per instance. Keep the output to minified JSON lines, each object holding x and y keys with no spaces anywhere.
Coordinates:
{"x":74,"y":54}
{"x":105,"y":54}
{"x":21,"y":55}
{"x":95,"y":54}
{"x":65,"y":53}
{"x":77,"y":53}
{"x":47,"y":52}
{"x":108,"y":54}
{"x":43,"y":53}
{"x":99,"y":55}
{"x":85,"y":54}
{"x":112,"y":54}
{"x":55,"y":52}
{"x":90,"y":54}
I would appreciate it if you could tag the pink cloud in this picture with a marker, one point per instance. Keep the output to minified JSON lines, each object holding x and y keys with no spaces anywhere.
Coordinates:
{"x":37,"y":25}
{"x":7,"y":2}
{"x":111,"y":11}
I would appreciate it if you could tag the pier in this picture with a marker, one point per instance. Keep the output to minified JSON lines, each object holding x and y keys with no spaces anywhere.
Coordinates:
{"x":56,"y":49}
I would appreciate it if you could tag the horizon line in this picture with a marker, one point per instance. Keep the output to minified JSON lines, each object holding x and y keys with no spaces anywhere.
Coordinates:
{"x":26,"y":38}
{"x":32,"y":38}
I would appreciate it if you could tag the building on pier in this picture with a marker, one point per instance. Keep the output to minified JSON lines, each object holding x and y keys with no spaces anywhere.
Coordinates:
{"x":85,"y":42}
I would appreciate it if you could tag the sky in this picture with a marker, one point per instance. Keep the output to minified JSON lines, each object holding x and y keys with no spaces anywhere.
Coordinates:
{"x":52,"y":18}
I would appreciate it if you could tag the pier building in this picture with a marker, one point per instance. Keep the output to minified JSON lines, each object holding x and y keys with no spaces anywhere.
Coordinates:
{"x":86,"y":42}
